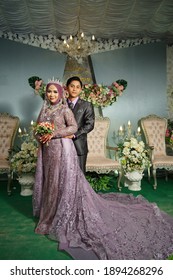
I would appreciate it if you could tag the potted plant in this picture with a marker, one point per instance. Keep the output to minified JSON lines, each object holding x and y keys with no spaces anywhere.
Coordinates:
{"x":23,"y":161}
{"x":134,"y":158}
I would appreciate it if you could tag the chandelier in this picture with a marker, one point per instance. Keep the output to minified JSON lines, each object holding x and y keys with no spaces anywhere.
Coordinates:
{"x":77,"y":46}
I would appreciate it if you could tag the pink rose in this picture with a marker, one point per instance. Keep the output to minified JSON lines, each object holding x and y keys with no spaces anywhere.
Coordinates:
{"x":116,"y":85}
{"x":167,"y":133}
{"x":38,"y":84}
{"x":121,"y":87}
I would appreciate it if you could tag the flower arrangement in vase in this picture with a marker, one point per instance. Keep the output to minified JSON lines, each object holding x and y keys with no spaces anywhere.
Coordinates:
{"x":23,"y":161}
{"x":24,"y":157}
{"x":134,"y":158}
{"x":133,"y":155}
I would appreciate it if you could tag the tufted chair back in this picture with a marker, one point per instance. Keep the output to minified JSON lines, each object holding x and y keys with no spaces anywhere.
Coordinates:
{"x":8,"y":128}
{"x":97,"y":138}
{"x":154,"y":128}
{"x":97,"y":160}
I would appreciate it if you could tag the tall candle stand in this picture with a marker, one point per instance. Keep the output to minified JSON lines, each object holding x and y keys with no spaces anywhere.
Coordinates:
{"x":125,"y":133}
{"x":129,"y":130}
{"x":26,"y":135}
{"x":121,"y":134}
{"x":138,"y":134}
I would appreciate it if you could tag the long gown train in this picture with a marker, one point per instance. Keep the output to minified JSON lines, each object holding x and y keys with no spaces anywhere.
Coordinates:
{"x":109,"y":226}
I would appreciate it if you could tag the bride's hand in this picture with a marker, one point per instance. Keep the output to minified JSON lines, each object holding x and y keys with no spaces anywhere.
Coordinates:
{"x":46,"y":138}
{"x":69,"y":136}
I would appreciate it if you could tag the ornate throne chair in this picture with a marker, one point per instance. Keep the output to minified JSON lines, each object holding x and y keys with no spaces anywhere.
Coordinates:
{"x":8,"y":128}
{"x":97,"y":159}
{"x":154,"y":128}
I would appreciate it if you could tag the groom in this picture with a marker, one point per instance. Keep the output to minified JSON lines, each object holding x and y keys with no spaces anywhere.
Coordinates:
{"x":84,"y":114}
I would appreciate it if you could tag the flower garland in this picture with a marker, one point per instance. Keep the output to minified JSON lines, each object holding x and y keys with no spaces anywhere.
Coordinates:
{"x":99,"y":95}
{"x":38,"y":85}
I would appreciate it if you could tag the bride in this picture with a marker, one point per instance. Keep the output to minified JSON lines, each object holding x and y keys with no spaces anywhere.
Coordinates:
{"x":86,"y":224}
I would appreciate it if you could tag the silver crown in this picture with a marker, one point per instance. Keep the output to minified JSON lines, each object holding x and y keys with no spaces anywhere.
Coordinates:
{"x":55,"y":81}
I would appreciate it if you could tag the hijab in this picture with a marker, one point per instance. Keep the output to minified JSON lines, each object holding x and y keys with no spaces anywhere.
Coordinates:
{"x":60,"y":92}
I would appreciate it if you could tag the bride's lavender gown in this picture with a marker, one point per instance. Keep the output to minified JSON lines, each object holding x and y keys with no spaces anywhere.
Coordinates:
{"x":107,"y":226}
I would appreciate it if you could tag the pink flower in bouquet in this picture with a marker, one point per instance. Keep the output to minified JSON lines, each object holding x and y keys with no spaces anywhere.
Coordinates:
{"x":44,"y":128}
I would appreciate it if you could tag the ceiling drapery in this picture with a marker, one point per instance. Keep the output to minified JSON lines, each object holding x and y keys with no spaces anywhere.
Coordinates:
{"x":106,"y":19}
{"x":115,"y":23}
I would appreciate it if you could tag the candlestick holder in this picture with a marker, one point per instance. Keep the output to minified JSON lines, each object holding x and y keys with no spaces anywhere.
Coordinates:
{"x":126,"y":133}
{"x":26,"y":134}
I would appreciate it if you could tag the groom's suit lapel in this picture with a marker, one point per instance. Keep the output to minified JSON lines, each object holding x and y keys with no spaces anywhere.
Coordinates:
{"x":78,"y":107}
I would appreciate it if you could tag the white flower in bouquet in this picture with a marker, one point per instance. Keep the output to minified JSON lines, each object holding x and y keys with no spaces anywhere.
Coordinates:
{"x":133,"y":155}
{"x":24,"y":159}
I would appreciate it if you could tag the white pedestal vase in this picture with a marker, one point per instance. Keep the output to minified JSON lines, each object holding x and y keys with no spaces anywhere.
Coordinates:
{"x":133,"y":180}
{"x":26,"y":181}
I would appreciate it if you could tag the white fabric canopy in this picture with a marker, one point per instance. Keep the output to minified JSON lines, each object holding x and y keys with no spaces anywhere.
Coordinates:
{"x":114,"y":19}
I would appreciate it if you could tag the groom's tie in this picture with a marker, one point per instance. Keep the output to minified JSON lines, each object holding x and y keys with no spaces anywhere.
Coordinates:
{"x":71,"y":105}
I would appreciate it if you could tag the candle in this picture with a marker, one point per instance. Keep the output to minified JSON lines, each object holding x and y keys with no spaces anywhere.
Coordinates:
{"x":19,"y":130}
{"x":138,"y":130}
{"x":129,"y":124}
{"x":32,"y":122}
{"x":121,"y":130}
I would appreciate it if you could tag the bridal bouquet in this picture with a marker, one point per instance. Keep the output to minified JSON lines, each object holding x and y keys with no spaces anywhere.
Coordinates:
{"x":44,"y":128}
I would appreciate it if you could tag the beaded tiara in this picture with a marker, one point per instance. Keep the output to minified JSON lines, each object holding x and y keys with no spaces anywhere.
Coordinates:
{"x":55,"y":81}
